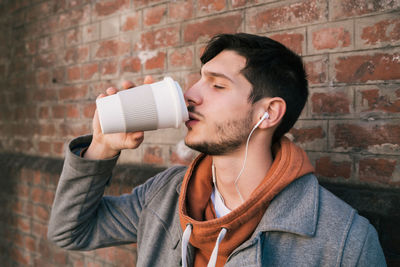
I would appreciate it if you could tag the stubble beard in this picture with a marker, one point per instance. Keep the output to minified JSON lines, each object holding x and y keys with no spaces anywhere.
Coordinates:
{"x":230,"y":135}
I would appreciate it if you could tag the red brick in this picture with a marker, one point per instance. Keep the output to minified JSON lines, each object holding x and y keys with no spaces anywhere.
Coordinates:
{"x":42,"y":78}
{"x":159,"y":38}
{"x":41,"y":214}
{"x":45,"y":95}
{"x":130,"y":22}
{"x":180,"y":10}
{"x":183,"y":57}
{"x":20,"y":256}
{"x":45,"y":60}
{"x":58,"y":111}
{"x":350,"y":8}
{"x":363,"y":68}
{"x":304,"y":135}
{"x":293,"y":41}
{"x":317,"y":70}
{"x":23,"y":224}
{"x":39,"y":229}
{"x":72,"y":111}
{"x":330,"y":103}
{"x":23,"y":190}
{"x":30,"y":244}
{"x":153,"y":155}
{"x":72,"y":37}
{"x":156,"y":62}
{"x":331,"y":38}
{"x":112,"y":48}
{"x":380,"y":100}
{"x":124,"y":258}
{"x":90,"y":70}
{"x":88,"y":110}
{"x":109,"y":67}
{"x":327,"y":167}
{"x":58,"y":75}
{"x":209,"y":6}
{"x":154,"y":15}
{"x":384,"y":31}
{"x":73,"y":129}
{"x":378,"y":170}
{"x":108,"y":7}
{"x":58,"y":148}
{"x":47,"y":129}
{"x":44,"y":147}
{"x":288,"y":15}
{"x":240,"y":3}
{"x":131,"y":64}
{"x":74,"y":73}
{"x":90,"y":32}
{"x":60,"y":257}
{"x":31,"y":47}
{"x":18,"y":239}
{"x":18,"y":207}
{"x":82,"y":54}
{"x":73,"y":92}
{"x":207,"y":28}
{"x":73,"y":17}
{"x":364,"y":135}
{"x":190,"y":80}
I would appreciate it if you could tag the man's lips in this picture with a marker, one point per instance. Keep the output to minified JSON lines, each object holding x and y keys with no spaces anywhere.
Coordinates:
{"x":193,"y":119}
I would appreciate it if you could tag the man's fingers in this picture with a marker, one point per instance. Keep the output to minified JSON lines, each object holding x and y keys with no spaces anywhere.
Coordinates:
{"x":127,"y":84}
{"x":148,"y":79}
{"x":111,"y":90}
{"x":101,"y":96}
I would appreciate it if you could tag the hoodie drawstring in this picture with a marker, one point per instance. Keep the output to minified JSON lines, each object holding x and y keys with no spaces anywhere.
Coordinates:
{"x":213,"y":259}
{"x":214,"y":255}
{"x":185,"y":241}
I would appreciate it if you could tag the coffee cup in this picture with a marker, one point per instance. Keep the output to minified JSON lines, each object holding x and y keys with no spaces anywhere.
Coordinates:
{"x":143,"y":108}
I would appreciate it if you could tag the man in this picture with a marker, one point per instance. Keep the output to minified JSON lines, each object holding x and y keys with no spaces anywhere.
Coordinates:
{"x":249,"y":198}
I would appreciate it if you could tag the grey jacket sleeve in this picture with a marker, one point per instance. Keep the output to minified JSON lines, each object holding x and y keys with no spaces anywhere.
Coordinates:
{"x":81,"y":218}
{"x":362,"y":247}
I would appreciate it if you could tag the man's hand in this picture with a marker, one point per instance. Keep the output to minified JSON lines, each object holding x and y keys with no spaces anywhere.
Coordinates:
{"x":105,"y":146}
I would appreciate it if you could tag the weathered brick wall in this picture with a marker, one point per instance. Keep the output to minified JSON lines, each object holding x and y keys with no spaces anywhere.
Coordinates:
{"x":57,"y":56}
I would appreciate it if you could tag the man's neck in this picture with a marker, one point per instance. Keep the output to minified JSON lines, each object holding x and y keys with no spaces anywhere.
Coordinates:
{"x":228,"y":167}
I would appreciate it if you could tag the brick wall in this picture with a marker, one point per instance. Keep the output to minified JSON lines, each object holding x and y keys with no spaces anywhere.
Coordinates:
{"x":57,"y":56}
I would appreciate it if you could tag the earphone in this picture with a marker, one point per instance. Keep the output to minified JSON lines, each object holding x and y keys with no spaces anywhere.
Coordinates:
{"x":265,"y":116}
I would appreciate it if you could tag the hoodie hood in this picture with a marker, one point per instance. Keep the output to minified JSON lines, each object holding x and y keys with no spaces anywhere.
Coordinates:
{"x":196,"y":208}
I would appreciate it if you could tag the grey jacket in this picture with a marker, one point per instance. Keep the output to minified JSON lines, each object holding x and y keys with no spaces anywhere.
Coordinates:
{"x":305,"y":225}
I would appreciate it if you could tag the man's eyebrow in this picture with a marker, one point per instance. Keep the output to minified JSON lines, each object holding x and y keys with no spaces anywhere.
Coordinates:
{"x":216,"y":74}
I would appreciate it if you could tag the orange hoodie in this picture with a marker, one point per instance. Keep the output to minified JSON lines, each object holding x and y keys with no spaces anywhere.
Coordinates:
{"x":196,"y":207}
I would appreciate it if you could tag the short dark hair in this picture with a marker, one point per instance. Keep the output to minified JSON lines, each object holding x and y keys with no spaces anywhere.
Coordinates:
{"x":271,"y":68}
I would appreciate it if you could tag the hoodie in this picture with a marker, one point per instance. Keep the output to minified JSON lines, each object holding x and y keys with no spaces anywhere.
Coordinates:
{"x":196,"y":210}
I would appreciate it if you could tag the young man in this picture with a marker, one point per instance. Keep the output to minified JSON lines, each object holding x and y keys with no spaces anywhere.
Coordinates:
{"x":249,"y":199}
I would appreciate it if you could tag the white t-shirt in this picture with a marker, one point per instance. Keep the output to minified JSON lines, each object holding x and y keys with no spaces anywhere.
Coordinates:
{"x":219,"y":205}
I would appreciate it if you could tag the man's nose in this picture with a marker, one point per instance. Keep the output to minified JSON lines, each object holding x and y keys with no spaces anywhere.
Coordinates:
{"x":193,"y":94}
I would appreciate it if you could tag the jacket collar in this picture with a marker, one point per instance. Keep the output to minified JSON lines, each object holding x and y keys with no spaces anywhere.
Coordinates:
{"x":293,"y":210}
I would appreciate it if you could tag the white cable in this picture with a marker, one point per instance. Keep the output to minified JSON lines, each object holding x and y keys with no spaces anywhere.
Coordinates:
{"x":244,"y":163}
{"x":265,"y":116}
{"x":185,"y":241}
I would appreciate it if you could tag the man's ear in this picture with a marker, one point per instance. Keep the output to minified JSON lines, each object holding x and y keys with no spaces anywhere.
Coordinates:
{"x":276,"y":108}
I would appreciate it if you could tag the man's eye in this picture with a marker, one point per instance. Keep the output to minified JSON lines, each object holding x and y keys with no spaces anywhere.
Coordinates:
{"x":218,"y":86}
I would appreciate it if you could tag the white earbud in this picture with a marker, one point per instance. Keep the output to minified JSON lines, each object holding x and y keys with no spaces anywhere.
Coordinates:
{"x":265,"y":116}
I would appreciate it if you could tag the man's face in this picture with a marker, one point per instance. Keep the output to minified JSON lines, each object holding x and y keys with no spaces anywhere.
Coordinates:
{"x":219,"y":109}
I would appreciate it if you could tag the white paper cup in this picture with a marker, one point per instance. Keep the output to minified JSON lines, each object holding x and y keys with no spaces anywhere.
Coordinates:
{"x":143,"y":108}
